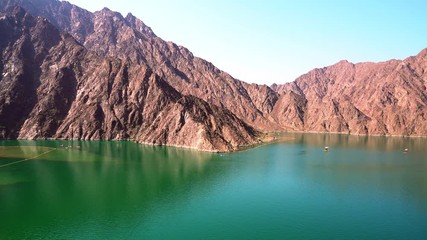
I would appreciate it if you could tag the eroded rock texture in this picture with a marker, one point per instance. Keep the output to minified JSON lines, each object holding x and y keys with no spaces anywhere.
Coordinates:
{"x":52,"y":87}
{"x":105,"y":76}
{"x":387,"y":98}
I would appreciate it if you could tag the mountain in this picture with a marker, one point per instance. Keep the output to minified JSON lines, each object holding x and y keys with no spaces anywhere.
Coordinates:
{"x":108,"y":33}
{"x":386,"y":98}
{"x":53,"y":87}
{"x":116,"y":52}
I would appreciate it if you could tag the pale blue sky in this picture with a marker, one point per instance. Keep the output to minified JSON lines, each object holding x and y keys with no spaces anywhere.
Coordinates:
{"x":275,"y":41}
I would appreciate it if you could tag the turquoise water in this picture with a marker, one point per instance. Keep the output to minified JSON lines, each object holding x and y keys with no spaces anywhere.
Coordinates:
{"x":364,"y":188}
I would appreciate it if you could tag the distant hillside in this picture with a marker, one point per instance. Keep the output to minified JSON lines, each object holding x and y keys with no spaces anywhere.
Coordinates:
{"x":387,"y":98}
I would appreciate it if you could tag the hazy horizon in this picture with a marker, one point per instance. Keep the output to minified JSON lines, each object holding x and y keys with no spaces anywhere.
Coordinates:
{"x":276,"y":42}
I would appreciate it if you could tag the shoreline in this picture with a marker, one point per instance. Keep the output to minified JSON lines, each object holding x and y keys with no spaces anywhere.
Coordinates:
{"x":265,"y":139}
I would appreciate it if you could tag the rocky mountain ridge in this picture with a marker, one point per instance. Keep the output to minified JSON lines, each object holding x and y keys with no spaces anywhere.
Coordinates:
{"x":387,"y":98}
{"x":53,"y":87}
{"x":108,"y":33}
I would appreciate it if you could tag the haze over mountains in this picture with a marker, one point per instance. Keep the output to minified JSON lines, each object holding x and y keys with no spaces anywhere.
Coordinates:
{"x":104,"y":76}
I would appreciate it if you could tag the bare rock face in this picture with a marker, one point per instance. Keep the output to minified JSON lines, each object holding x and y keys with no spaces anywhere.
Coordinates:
{"x":387,"y":98}
{"x":52,"y":87}
{"x":110,"y":34}
{"x":103,"y":62}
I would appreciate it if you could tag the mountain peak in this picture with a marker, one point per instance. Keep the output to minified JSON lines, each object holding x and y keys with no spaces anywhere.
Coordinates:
{"x":139,"y":25}
{"x":422,"y":54}
{"x":344,"y":61}
{"x":130,"y":15}
{"x":106,"y":9}
{"x":108,"y":12}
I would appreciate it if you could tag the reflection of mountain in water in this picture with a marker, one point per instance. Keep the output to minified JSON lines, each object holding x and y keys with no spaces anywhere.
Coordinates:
{"x":380,"y":143}
{"x":122,"y":190}
{"x":365,"y":163}
{"x":131,"y":180}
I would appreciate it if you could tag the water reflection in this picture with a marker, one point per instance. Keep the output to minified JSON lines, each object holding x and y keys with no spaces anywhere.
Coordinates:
{"x":101,"y":179}
{"x":362,"y":163}
{"x":376,"y":143}
{"x":363,"y":188}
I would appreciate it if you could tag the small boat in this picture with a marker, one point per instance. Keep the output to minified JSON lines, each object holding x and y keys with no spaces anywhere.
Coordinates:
{"x":326,"y":149}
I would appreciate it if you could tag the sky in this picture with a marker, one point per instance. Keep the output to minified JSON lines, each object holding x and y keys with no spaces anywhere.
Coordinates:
{"x":276,"y":41}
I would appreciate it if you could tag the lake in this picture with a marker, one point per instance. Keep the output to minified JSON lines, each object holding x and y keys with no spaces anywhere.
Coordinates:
{"x":363,"y":188}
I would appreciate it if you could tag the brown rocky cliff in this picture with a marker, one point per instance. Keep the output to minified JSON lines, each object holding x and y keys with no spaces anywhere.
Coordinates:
{"x":130,"y":38}
{"x":367,"y":98}
{"x":52,"y":87}
{"x":110,"y":34}
{"x":387,"y":98}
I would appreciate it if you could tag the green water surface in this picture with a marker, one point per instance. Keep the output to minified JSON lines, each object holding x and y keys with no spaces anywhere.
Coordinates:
{"x":364,"y":188}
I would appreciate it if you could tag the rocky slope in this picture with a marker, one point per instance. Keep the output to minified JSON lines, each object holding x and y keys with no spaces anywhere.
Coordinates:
{"x":53,"y":87}
{"x":386,"y":98}
{"x":110,"y":34}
